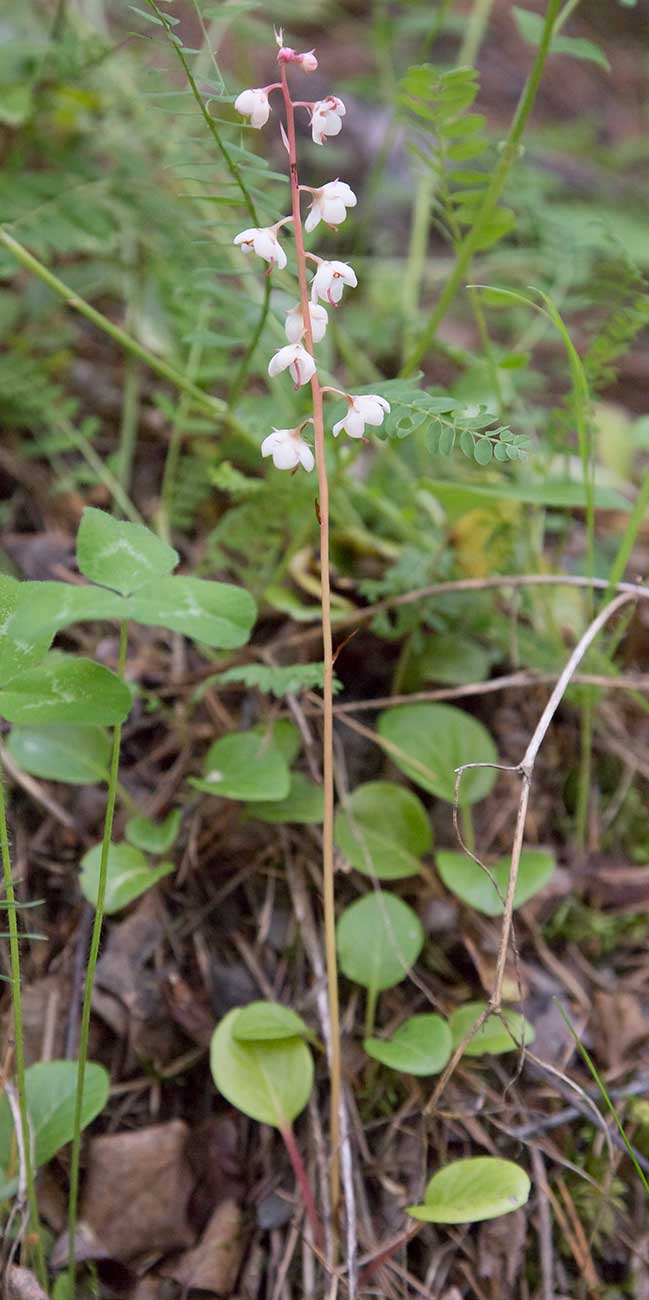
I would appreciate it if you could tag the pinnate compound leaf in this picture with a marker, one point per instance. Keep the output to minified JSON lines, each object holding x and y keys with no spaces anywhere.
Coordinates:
{"x":17,"y":651}
{"x":429,"y":741}
{"x":493,"y":1038}
{"x":383,"y":830}
{"x":530,"y":27}
{"x":51,"y":1088}
{"x":378,"y":938}
{"x":422,"y":1045}
{"x":64,"y":689}
{"x":260,"y":1022}
{"x":469,"y":882}
{"x":128,"y":875}
{"x":303,"y":805}
{"x":469,"y":1191}
{"x":246,"y":766}
{"x":279,"y":681}
{"x":217,"y":614}
{"x":76,"y":755}
{"x":120,"y":555}
{"x":153,"y":837}
{"x":269,"y":1081}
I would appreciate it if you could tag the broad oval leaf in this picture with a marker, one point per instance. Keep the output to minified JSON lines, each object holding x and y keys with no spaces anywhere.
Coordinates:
{"x":120,"y":555}
{"x":383,"y":830}
{"x":269,"y":1081}
{"x":468,"y":1191}
{"x":64,"y":689}
{"x":378,"y":939}
{"x":469,"y":882}
{"x":422,"y":1045}
{"x":303,"y":805}
{"x":246,"y":766}
{"x":128,"y":875}
{"x":46,"y":607}
{"x":493,"y":1038}
{"x":154,"y":837}
{"x":450,"y":660}
{"x":215,"y":613}
{"x":429,"y":741}
{"x":260,"y":1022}
{"x":51,"y":1088}
{"x":76,"y":755}
{"x":18,"y":651}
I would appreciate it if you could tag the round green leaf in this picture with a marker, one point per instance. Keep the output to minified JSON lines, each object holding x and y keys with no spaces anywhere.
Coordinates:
{"x":153,"y":837}
{"x":493,"y":1037}
{"x":303,"y":804}
{"x":120,"y":555}
{"x":269,"y":1081}
{"x":383,"y":830}
{"x":429,"y":741}
{"x":74,"y":754}
{"x":215,"y":613}
{"x":51,"y":1088}
{"x":469,"y":1191}
{"x":244,"y":766}
{"x":470,"y":883}
{"x":422,"y":1045}
{"x":128,"y":875}
{"x":378,"y":939}
{"x":285,"y":737}
{"x":64,"y":689}
{"x":267,"y":1021}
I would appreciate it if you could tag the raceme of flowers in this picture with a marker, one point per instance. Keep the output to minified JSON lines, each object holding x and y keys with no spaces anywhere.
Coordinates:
{"x":329,"y":203}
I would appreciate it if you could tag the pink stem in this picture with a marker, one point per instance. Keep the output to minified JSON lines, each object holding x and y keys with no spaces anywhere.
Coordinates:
{"x":304,"y":1186}
{"x":327,"y":640}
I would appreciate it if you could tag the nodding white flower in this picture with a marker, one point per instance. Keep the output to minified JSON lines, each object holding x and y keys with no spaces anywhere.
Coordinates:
{"x":307,"y":61}
{"x":264,"y":242}
{"x":330,"y":204}
{"x":254,"y":104}
{"x":330,"y":279}
{"x":295,"y":322}
{"x":367,"y":409}
{"x":326,"y":118}
{"x":288,"y":449}
{"x":296,"y":359}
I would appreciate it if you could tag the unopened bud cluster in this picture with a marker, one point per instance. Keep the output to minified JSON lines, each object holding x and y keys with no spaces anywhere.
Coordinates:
{"x":329,"y":204}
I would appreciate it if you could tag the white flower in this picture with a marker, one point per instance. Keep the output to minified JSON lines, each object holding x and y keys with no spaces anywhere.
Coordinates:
{"x":330,"y":204}
{"x":330,"y":279}
{"x":326,"y":118}
{"x":254,"y":104}
{"x":296,"y":359}
{"x":308,"y":61}
{"x":287,"y":449}
{"x":295,"y":322}
{"x":264,"y":242}
{"x":368,"y":409}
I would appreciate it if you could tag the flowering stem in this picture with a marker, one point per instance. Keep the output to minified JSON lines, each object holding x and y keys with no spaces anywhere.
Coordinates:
{"x":328,"y":781}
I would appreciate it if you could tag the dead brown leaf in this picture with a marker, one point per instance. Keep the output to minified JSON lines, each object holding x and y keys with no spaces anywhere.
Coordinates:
{"x":214,"y":1263}
{"x":619,"y":1025}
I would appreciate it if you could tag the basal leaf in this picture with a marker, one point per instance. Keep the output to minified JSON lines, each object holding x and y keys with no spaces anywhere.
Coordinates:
{"x":121,"y":555}
{"x":51,"y":1088}
{"x":378,"y":938}
{"x":76,"y":755}
{"x":493,"y":1038}
{"x":421,"y":1045}
{"x":303,"y":805}
{"x":269,"y":1081}
{"x":469,"y":1191}
{"x":429,"y":741}
{"x":46,"y":607}
{"x":18,"y":650}
{"x":64,"y":689}
{"x":469,"y":882}
{"x":214,"y":613}
{"x":128,"y":875}
{"x":244,"y":766}
{"x":261,"y":1022}
{"x":153,"y":837}
{"x":383,"y":830}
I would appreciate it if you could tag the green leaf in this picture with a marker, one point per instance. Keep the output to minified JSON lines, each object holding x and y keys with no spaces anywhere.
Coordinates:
{"x":422,"y":1045}
{"x":530,"y":28}
{"x":244,"y":766}
{"x":63,"y":689}
{"x":75,"y":755}
{"x":269,"y":1081}
{"x":289,"y":680}
{"x":128,"y":875}
{"x":449,"y":659}
{"x":284,"y":735}
{"x":470,"y":883}
{"x":493,"y":1037}
{"x":215,"y":613}
{"x":260,"y":1022}
{"x":303,"y":805}
{"x":383,"y":830}
{"x":17,"y":650}
{"x":551,"y":494}
{"x":154,"y":837}
{"x":51,"y":1088}
{"x":119,"y":555}
{"x":468,"y":1191}
{"x":378,"y":939}
{"x":432,"y":740}
{"x":46,"y":607}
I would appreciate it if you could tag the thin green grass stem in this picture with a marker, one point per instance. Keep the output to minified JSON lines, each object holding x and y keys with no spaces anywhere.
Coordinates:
{"x":90,"y":979}
{"x":472,"y":240}
{"x":127,"y":442}
{"x":19,"y":1045}
{"x":474,"y":31}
